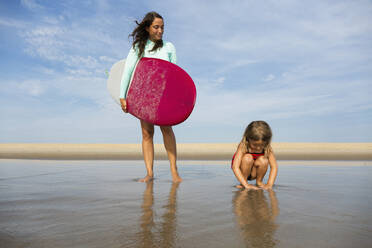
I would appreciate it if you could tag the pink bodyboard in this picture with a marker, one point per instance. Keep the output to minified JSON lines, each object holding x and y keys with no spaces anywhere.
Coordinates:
{"x":160,"y":92}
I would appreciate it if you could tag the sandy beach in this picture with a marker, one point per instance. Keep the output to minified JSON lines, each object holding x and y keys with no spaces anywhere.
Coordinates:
{"x":199,"y":151}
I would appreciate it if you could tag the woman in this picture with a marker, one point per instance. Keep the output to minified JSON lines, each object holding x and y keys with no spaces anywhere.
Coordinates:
{"x":148,"y":42}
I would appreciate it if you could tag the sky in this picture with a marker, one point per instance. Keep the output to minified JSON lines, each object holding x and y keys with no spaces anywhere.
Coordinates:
{"x":305,"y":67}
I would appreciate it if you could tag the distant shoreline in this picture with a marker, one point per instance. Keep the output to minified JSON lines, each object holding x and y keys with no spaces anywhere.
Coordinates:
{"x":186,"y":151}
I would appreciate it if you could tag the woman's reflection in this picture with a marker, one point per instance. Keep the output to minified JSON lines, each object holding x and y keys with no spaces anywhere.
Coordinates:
{"x":147,"y":218}
{"x":150,"y":235}
{"x":168,"y":230}
{"x":256,"y":216}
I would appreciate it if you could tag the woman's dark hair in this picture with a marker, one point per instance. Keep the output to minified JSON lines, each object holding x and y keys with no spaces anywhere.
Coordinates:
{"x":140,"y":35}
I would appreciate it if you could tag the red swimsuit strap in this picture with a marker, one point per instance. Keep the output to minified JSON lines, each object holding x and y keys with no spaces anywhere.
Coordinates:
{"x":256,"y":155}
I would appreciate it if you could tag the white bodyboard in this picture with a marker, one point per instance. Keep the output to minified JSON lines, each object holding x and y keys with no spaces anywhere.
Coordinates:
{"x":114,"y":80}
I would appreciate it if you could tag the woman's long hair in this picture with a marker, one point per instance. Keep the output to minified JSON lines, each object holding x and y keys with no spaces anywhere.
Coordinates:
{"x":258,"y":130}
{"x":140,"y":35}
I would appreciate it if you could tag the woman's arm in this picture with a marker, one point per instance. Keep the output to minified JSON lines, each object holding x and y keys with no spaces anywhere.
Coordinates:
{"x":172,"y":53}
{"x":130,"y":63}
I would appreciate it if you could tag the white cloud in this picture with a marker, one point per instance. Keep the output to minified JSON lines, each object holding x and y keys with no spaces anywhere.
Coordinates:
{"x":78,"y":47}
{"x":79,"y":72}
{"x":228,"y":65}
{"x":108,"y":59}
{"x":88,"y":62}
{"x":12,"y":23}
{"x":32,"y":5}
{"x":269,"y":78}
{"x":32,"y":87}
{"x":220,"y":80}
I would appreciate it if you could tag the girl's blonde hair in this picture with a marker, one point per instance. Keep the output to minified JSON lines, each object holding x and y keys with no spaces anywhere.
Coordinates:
{"x":258,"y":130}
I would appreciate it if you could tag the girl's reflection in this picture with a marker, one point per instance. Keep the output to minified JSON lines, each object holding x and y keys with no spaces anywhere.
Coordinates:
{"x":256,"y":217}
{"x":150,"y":235}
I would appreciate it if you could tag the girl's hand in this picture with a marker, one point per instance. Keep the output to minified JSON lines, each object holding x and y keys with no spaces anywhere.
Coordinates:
{"x":266,"y":187}
{"x":251,"y":187}
{"x":247,"y":188}
{"x":123,"y":104}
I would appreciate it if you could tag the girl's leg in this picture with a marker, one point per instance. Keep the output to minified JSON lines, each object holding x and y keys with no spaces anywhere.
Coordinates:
{"x":246,"y":167}
{"x":170,"y":146}
{"x":148,"y":149}
{"x":261,"y":165}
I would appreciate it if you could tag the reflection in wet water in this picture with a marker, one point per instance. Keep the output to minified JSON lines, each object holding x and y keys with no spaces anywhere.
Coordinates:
{"x":255,"y":216}
{"x":149,"y":235}
{"x":98,"y":204}
{"x":147,"y":218}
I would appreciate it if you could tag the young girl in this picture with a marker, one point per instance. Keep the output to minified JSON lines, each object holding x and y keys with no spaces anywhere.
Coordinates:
{"x":253,"y":156}
{"x":148,"y":42}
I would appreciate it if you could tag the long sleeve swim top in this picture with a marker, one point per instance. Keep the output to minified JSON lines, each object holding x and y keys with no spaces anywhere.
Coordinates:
{"x":167,"y":52}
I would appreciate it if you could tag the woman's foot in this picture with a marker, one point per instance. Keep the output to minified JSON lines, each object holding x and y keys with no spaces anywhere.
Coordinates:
{"x":146,"y":179}
{"x":176,"y":178}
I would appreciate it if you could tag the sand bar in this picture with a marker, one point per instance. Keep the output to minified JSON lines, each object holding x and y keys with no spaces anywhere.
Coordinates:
{"x":187,"y":151}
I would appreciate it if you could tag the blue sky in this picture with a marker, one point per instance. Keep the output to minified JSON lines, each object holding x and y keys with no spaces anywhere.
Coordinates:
{"x":303,"y":66}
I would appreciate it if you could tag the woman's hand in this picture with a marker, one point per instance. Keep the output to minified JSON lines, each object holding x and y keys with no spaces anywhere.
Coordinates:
{"x":123,"y":104}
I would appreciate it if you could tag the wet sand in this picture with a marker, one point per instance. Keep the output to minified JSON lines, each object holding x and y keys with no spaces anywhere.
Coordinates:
{"x":199,"y":151}
{"x":100,"y":204}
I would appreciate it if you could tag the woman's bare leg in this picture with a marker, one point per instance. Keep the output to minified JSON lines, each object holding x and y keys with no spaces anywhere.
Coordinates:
{"x":171,"y":147}
{"x":148,"y":149}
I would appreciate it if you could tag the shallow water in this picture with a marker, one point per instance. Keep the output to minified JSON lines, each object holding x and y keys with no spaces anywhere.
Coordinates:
{"x":100,"y":204}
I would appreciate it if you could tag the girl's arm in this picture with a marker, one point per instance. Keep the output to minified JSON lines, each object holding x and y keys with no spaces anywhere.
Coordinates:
{"x":236,"y":168}
{"x":130,"y":63}
{"x":273,"y":170}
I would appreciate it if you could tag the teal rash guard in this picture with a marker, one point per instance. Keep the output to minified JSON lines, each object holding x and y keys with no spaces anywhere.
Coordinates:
{"x":167,"y":52}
